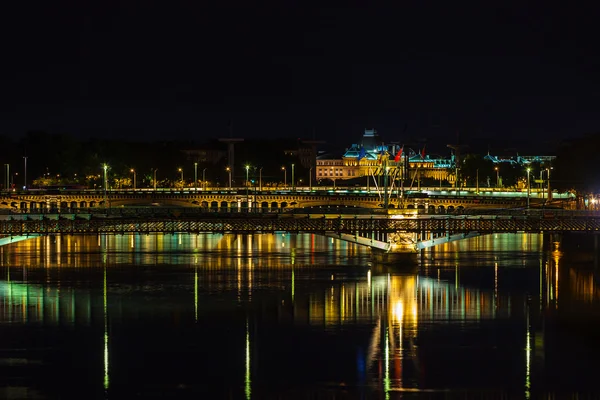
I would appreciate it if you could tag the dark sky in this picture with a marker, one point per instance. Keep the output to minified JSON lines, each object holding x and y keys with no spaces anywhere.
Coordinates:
{"x":183,"y":69}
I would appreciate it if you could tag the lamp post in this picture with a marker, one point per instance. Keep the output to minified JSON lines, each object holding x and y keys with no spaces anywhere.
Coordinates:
{"x":260,"y":179}
{"x":105,"y":168}
{"x":310,"y":179}
{"x":293,"y":179}
{"x":155,"y":169}
{"x":497,"y":177}
{"x":25,"y":176}
{"x":196,"y":176}
{"x":284,"y":176}
{"x":134,"y":178}
{"x":548,"y":185}
{"x":528,"y":186}
{"x":204,"y":178}
{"x":247,"y":199}
{"x":181,"y":172}
{"x":228,"y":169}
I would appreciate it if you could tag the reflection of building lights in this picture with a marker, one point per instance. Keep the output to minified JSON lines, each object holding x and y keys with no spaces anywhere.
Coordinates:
{"x":247,"y":377}
{"x":399,"y":310}
{"x":528,"y":359}
{"x":106,"y":376}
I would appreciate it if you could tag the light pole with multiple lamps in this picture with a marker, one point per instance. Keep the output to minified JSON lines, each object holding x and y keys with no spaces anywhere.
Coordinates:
{"x":134,"y":178}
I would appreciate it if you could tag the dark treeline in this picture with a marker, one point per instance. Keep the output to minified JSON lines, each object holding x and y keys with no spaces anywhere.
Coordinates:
{"x":64,"y":159}
{"x":577,"y":165}
{"x":54,"y":159}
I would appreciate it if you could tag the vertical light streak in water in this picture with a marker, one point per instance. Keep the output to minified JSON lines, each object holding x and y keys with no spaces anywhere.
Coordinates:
{"x":250,"y":261}
{"x":106,"y":376}
{"x":455,"y":276}
{"x":528,"y":359}
{"x":370,"y":292}
{"x":247,"y":378}
{"x":495,"y":288}
{"x":541,"y":285}
{"x":293,"y":255}
{"x":386,"y":380}
{"x":556,"y":261}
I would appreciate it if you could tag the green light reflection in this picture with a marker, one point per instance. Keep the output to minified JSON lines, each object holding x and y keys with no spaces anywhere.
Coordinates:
{"x":247,"y":378}
{"x":106,"y":375}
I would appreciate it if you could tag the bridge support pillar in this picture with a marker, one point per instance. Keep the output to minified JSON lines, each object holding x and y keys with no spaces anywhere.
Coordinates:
{"x":400,"y":261}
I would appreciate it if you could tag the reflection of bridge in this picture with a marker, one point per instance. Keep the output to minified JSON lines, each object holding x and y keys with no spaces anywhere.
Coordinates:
{"x":385,"y":232}
{"x":236,"y":200}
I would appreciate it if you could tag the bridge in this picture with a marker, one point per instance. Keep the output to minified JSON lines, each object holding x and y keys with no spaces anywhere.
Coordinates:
{"x":233,"y":200}
{"x":401,"y":233}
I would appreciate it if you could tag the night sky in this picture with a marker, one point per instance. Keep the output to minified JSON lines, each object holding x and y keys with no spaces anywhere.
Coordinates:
{"x":183,"y":70}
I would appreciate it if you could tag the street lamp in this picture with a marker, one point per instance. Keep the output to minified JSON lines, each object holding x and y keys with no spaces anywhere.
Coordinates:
{"x":196,"y":176}
{"x":155,"y":169}
{"x":548,"y":185}
{"x":25,"y":177}
{"x":229,"y":171}
{"x":284,"y":176}
{"x":204,"y":178}
{"x":105,"y":168}
{"x":134,"y":178}
{"x":260,"y":179}
{"x":247,"y":199}
{"x":497,"y":177}
{"x":310,"y":179}
{"x":293,"y":180}
{"x":181,"y":172}
{"x":528,"y":186}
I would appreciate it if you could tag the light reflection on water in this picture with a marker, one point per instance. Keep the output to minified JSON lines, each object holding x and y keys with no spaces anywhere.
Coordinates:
{"x":474,"y":317}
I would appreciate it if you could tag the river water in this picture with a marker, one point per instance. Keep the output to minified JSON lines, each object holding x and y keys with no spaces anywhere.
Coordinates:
{"x":295,"y":316}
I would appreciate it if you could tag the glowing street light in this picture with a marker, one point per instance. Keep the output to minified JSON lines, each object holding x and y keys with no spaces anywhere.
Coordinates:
{"x":155,"y":169}
{"x":105,"y":169}
{"x":134,"y":178}
{"x":497,"y":177}
{"x":181,"y":172}
{"x":247,"y":199}
{"x":228,"y":169}
{"x":284,"y":176}
{"x":196,"y":176}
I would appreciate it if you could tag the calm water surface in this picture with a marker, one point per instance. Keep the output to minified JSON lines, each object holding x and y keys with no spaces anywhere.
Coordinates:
{"x":295,"y":316}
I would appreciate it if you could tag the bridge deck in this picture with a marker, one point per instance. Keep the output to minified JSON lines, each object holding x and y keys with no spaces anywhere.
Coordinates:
{"x":254,"y":223}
